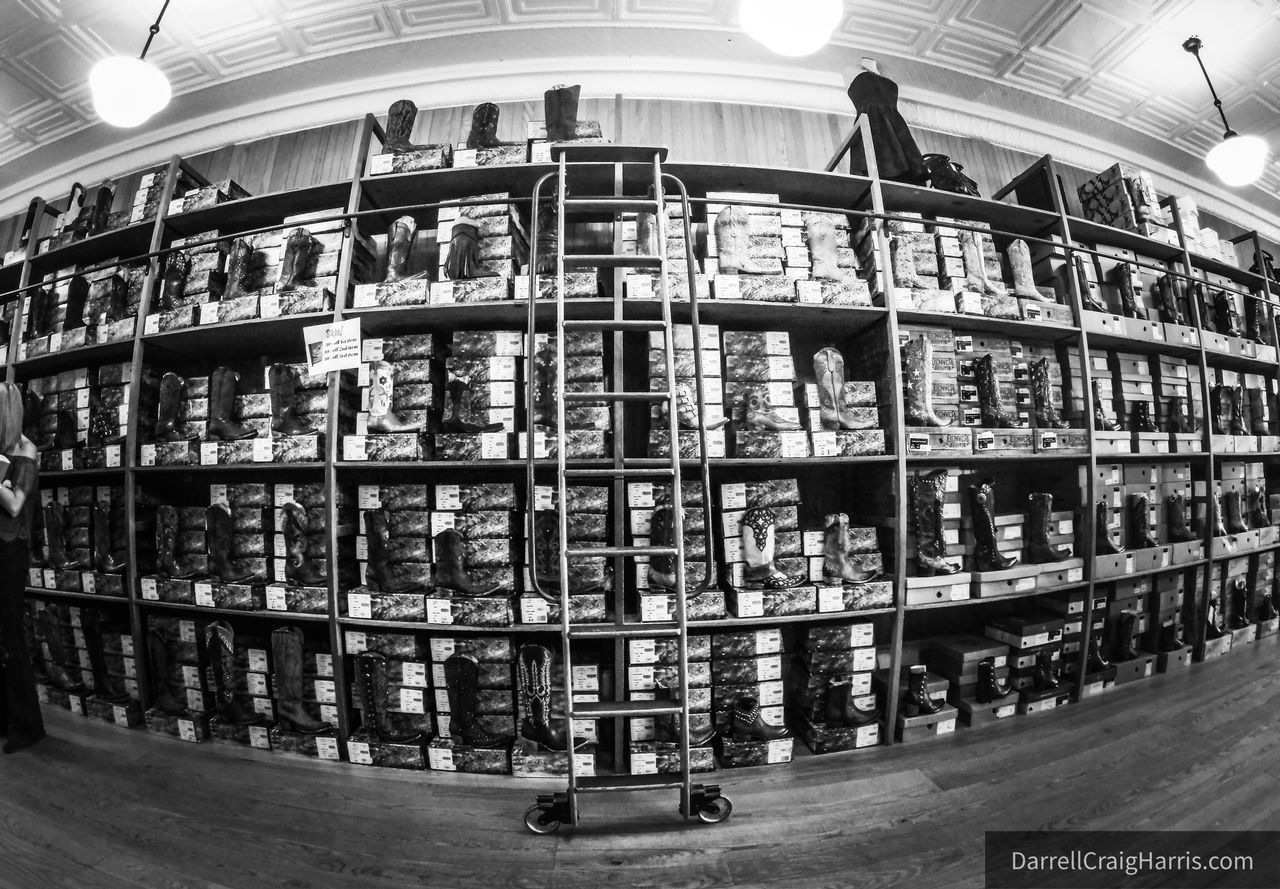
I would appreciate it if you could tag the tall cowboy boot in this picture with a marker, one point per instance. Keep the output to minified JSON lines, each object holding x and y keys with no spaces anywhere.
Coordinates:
{"x":902,"y":258}
{"x":1257,"y":516}
{"x":1267,"y":608}
{"x":166,"y":542}
{"x":161,"y":681}
{"x":990,"y":689}
{"x":77,"y":299}
{"x":287,"y":661}
{"x":1095,"y":663}
{"x":66,"y":437}
{"x":986,"y":556}
{"x":1142,"y":420}
{"x":975,"y":267}
{"x":1215,"y":503}
{"x":40,"y":308}
{"x":31,"y":411}
{"x":400,"y":238}
{"x":298,"y":569}
{"x":1204,"y":306}
{"x":484,"y":127}
{"x":842,"y":711}
{"x":1043,"y":679}
{"x":533,"y":672}
{"x":1220,"y":400}
{"x":760,"y":414}
{"x":1257,"y":413}
{"x":1103,"y":544}
{"x":1177,"y":414}
{"x":382,"y":419}
{"x":548,"y":242}
{"x":55,"y":537}
{"x":1228,"y":317}
{"x":464,"y":252}
{"x":1239,"y":605}
{"x":927,"y":496}
{"x":561,"y":107}
{"x":220,"y":643}
{"x":1024,"y":282}
{"x":1122,"y":276}
{"x":1140,"y":523}
{"x":102,"y":558}
{"x":749,"y":725}
{"x":1046,"y":415}
{"x":399,"y":129}
{"x":450,"y":570}
{"x":104,"y":427}
{"x":461,"y":417}
{"x":1168,"y":290}
{"x":1169,"y":638}
{"x":297,"y":266}
{"x":462,"y":679}
{"x":102,"y":201}
{"x":283,"y":379}
{"x":828,"y":368}
{"x":58,"y":661}
{"x":177,"y":268}
{"x":1237,"y":411}
{"x":837,"y":566}
{"x":1101,"y":422}
{"x":687,"y":416}
{"x":222,"y":407}
{"x":1211,"y":628}
{"x":91,"y":625}
{"x":1257,"y":321}
{"x":918,"y":701}
{"x":1039,"y":549}
{"x":990,"y":404}
{"x":218,"y":534}
{"x":821,"y":235}
{"x":1088,"y":300}
{"x":375,"y":694}
{"x":1175,"y":508}
{"x":1234,"y":514}
{"x":107,"y":299}
{"x":239,"y":260}
{"x":378,"y":576}
{"x":759,"y":529}
{"x":917,"y":367}
{"x":733,"y":240}
{"x":662,"y":532}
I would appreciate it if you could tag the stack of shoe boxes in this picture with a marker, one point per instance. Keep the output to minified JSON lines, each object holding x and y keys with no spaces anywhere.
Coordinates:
{"x":639,"y":237}
{"x":713,"y":391}
{"x":1127,"y":621}
{"x":933,"y":538}
{"x":299,"y":548}
{"x":657,"y":601}
{"x":1167,"y":634}
{"x":531,"y":755}
{"x":1125,"y":198}
{"x":193,"y":285}
{"x":470,"y":430}
{"x":831,"y":699}
{"x":459,"y":722}
{"x":495,"y":252}
{"x":243,"y":710}
{"x":929,"y":355}
{"x":146,"y":200}
{"x":977,"y":669}
{"x":760,"y":380}
{"x":68,"y":558}
{"x":653,"y":674}
{"x":1133,"y":388}
{"x":748,"y":698}
{"x":763,"y":548}
{"x":1178,"y":410}
{"x":588,"y":424}
{"x":204,"y":196}
{"x":181,"y":705}
{"x":390,"y":687}
{"x":745,"y":248}
{"x":590,"y":577}
{"x":108,"y":666}
{"x":393,"y":553}
{"x":1035,"y":657}
{"x":813,"y":241}
{"x":476,"y":545}
{"x":1071,"y":605}
{"x":397,"y":393}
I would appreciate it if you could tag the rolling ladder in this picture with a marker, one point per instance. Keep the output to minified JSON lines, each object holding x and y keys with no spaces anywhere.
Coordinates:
{"x":696,"y":800}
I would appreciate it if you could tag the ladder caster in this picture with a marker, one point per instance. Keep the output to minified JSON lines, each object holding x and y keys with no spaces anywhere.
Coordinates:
{"x":550,"y":811}
{"x":709,"y":805}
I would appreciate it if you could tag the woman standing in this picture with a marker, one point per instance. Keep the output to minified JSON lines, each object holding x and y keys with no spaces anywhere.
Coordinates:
{"x":20,"y":717}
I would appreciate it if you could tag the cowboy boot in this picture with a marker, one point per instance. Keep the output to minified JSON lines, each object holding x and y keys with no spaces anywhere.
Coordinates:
{"x":1234,"y":513}
{"x":1024,"y":282}
{"x":464,"y":252}
{"x":1257,"y":516}
{"x":239,"y":260}
{"x":1168,"y":290}
{"x":40,"y":308}
{"x":1267,"y":608}
{"x":55,"y":537}
{"x":1043,"y":679}
{"x":1142,"y":421}
{"x":842,"y":711}
{"x":1103,"y":545}
{"x":219,"y":642}
{"x":733,"y":240}
{"x":166,"y":543}
{"x":662,"y":532}
{"x":102,"y":558}
{"x":100,"y":216}
{"x":927,"y":495}
{"x":1046,"y":415}
{"x":298,"y":569}
{"x":77,"y":298}
{"x":1257,"y":413}
{"x":1140,"y":523}
{"x":1211,"y":628}
{"x":760,"y":414}
{"x":986,"y":556}
{"x":1039,"y":549}
{"x":91,"y":624}
{"x":283,"y":379}
{"x":1215,"y":502}
{"x":161,"y":683}
{"x":1228,"y":317}
{"x":849,"y":401}
{"x":917,"y":366}
{"x":382,"y":419}
{"x":399,"y":129}
{"x":32,"y":409}
{"x":484,"y":127}
{"x":1095,"y":663}
{"x":975,"y":268}
{"x":990,"y":689}
{"x":461,"y":416}
{"x":990,"y":405}
{"x":837,"y":566}
{"x":177,"y":268}
{"x":1204,"y":306}
{"x":560,"y":104}
{"x":168,"y":404}
{"x":667,"y":729}
{"x":217,"y":534}
{"x":58,"y":661}
{"x":286,"y":662}
{"x":1090,"y":303}
{"x":533,"y":672}
{"x":296,"y":266}
{"x":65,"y":437}
{"x":1175,"y":508}
{"x":104,"y":428}
{"x":400,"y":238}
{"x":450,"y":571}
{"x":821,"y":235}
{"x":749,"y":725}
{"x":918,"y":702}
{"x":1101,"y":422}
{"x":1237,"y":411}
{"x":548,"y":242}
{"x":1177,"y":413}
{"x":687,"y":416}
{"x":462,"y":679}
{"x":1257,"y":320}
{"x":375,"y":694}
{"x":222,"y":424}
{"x":1122,"y":277}
{"x":759,"y":528}
{"x":1239,"y":619}
{"x":902,"y":257}
{"x":378,"y":576}
{"x":1220,"y":399}
{"x":1169,"y":638}
{"x":828,"y":368}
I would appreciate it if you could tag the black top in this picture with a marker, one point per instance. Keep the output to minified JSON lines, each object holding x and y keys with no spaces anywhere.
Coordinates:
{"x":896,"y":152}
{"x":25,"y":478}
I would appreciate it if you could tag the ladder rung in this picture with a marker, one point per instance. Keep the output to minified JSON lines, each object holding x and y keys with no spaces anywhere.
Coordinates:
{"x":605,"y":709}
{"x":602,"y":783}
{"x":629,"y":630}
{"x":611,"y":261}
{"x":577,"y":552}
{"x":607,"y":324}
{"x":616,"y":396}
{"x":618,"y":472}
{"x":611,"y":205}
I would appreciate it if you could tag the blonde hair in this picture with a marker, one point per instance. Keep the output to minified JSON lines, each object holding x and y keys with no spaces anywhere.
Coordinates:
{"x":11,"y":410}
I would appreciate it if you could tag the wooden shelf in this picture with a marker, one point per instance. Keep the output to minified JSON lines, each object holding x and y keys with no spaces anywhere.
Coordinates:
{"x":125,"y":243}
{"x":233,"y":612}
{"x":80,"y":356}
{"x":259,"y":211}
{"x":77,"y":597}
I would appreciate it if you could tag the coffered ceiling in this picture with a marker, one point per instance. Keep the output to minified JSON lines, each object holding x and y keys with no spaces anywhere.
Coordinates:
{"x":1118,"y":61}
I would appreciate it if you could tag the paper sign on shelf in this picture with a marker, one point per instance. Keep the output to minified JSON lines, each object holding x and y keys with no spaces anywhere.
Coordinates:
{"x":332,"y":346}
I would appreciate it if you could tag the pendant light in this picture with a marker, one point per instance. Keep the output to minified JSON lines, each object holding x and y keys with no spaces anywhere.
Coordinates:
{"x":791,"y":27}
{"x":1238,"y":160}
{"x":127,"y":91}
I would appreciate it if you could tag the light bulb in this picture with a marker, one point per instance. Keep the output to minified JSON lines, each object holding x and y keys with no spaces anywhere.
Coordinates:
{"x":126,"y":92}
{"x":1238,"y":160}
{"x":791,"y":27}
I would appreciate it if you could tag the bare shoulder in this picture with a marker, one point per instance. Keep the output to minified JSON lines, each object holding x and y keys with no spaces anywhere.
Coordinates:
{"x":26,"y":448}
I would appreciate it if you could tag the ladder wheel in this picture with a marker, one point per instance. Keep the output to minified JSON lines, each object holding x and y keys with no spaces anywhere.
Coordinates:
{"x":716,"y":810}
{"x":540,"y":821}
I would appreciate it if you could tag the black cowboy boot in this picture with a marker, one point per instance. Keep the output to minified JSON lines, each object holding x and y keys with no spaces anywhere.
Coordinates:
{"x":842,"y":711}
{"x":1228,"y":318}
{"x":286,"y":663}
{"x":1239,"y":619}
{"x":378,"y":576}
{"x":927,"y":495}
{"x":66,"y":437}
{"x":990,"y":404}
{"x":375,"y":694}
{"x":58,"y":664}
{"x":219,"y":643}
{"x":1168,"y":289}
{"x":1039,"y":548}
{"x":1169,"y":638}
{"x":464,"y":252}
{"x":168,"y":405}
{"x":161,"y":681}
{"x":450,"y":571}
{"x":1140,"y":523}
{"x":460,"y":416}
{"x":533,"y":672}
{"x":1046,"y":415}
{"x":298,"y":569}
{"x":1175,"y":508}
{"x":218,"y":534}
{"x":484,"y":127}
{"x":177,"y":269}
{"x":986,"y":556}
{"x":1123,"y":277}
{"x":462,"y":679}
{"x":399,"y":130}
{"x":91,"y":626}
{"x":222,"y":423}
{"x":102,"y":558}
{"x":283,"y":379}
{"x":1102,"y":540}
{"x":948,"y":175}
{"x":400,"y":238}
{"x":1090,"y":303}
{"x":749,"y":725}
{"x":561,"y":112}
{"x":239,"y":262}
{"x":1101,"y":422}
{"x":1126,"y":630}
{"x":1043,"y":679}
{"x":166,"y":543}
{"x":297,"y":266}
{"x":662,"y":532}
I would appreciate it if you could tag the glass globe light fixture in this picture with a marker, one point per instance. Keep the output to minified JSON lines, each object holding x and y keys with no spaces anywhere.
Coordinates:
{"x":791,"y":27}
{"x":128,"y":92}
{"x":1237,"y":160}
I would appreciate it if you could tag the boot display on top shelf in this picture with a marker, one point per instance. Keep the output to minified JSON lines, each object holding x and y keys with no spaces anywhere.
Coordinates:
{"x":759,"y":531}
{"x":948,"y":175}
{"x":1039,"y":549}
{"x":837,"y":564}
{"x":917,"y":385}
{"x":986,"y":556}
{"x":991,"y":405}
{"x":560,"y":107}
{"x":927,"y":494}
{"x":484,"y":127}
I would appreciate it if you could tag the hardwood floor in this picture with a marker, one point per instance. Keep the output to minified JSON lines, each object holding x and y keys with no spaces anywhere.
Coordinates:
{"x":96,"y":806}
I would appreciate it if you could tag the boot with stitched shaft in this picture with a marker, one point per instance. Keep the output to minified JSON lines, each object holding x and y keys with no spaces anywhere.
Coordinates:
{"x":460,"y":416}
{"x":177,"y":268}
{"x":1140,"y":523}
{"x":1175,"y":508}
{"x":990,"y":403}
{"x":1103,"y":545}
{"x":462,"y":679}
{"x":1046,"y":415}
{"x":917,"y":368}
{"x":1039,"y":548}
{"x":375,"y":695}
{"x":283,"y":379}
{"x":1168,"y":289}
{"x":828,"y":369}
{"x":484,"y":126}
{"x":297,"y":266}
{"x":166,"y":543}
{"x":986,"y":555}
{"x":902,"y":257}
{"x":1024,"y":282}
{"x":928,"y":493}
{"x":533,"y":673}
{"x":837,"y":565}
{"x":464,"y":252}
{"x":1101,"y":422}
{"x":239,"y":260}
{"x":400,"y":238}
{"x":382,"y":419}
{"x":733,"y":241}
{"x":1088,"y":300}
{"x":450,"y":570}
{"x":759,"y":413}
{"x":1123,"y":277}
{"x":219,"y":643}
{"x":821,"y":236}
{"x":222,"y":424}
{"x":1142,"y":420}
{"x":1228,"y":316}
{"x":219,"y":529}
{"x":298,"y":569}
{"x":287,"y":661}
{"x":975,"y":268}
{"x":759,"y":534}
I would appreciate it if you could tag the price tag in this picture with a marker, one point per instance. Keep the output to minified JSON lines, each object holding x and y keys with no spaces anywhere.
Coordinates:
{"x":641,"y":728}
{"x":984,"y":441}
{"x":946,"y":727}
{"x":809,"y":292}
{"x":208,"y":453}
{"x":780,"y":750}
{"x":186,"y":730}
{"x":644,"y":763}
{"x":442,"y":293}
{"x":654,"y":609}
{"x":358,"y":753}
{"x":259,"y":737}
{"x":88,"y":583}
{"x":411,"y":700}
{"x":76,"y":704}
{"x":825,"y":444}
{"x":441,"y":759}
{"x":643,"y":651}
{"x":534,"y":611}
{"x":262,"y":451}
{"x":750,"y":603}
{"x":353,"y":448}
{"x":326,"y":691}
{"x":439,"y":612}
{"x":493,"y":446}
{"x":360,"y":606}
{"x":263,"y":707}
{"x":918,"y":443}
{"x":641,"y":678}
{"x":113,"y":455}
{"x":68,"y":460}
{"x":204,"y":594}
{"x":369,"y":497}
{"x":830,"y":598}
{"x":443,"y":521}
{"x":269,"y":305}
{"x":414,"y":674}
{"x":276,"y":600}
{"x":768,"y":669}
{"x":35,"y":577}
{"x":151,"y":326}
{"x":327,"y":748}
{"x":208,"y":313}
{"x":120,"y":716}
{"x":149,"y":589}
{"x":442,"y":649}
{"x":50,"y":579}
